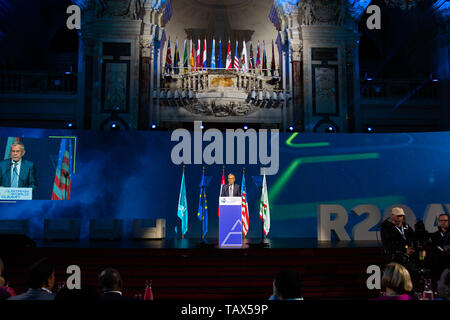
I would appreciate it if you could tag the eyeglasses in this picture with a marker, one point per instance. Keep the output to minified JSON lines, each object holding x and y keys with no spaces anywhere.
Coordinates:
{"x":443,"y":220}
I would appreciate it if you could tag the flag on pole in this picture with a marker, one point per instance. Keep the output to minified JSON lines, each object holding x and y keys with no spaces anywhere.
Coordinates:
{"x":176,"y":66}
{"x":244,"y":58}
{"x":185,"y":58}
{"x":264,"y":64}
{"x":205,"y":58}
{"x":203,"y":205}
{"x":264,"y":210}
{"x":62,"y":182}
{"x":192,"y":61}
{"x":229,"y":64}
{"x":245,"y":218}
{"x":9,"y":143}
{"x":221,"y":187}
{"x":213,"y":55}
{"x":252,"y":58}
{"x":258,"y":56}
{"x":220,"y":62}
{"x":198,"y":60}
{"x":182,"y":207}
{"x":168,"y":59}
{"x":236,"y":58}
{"x":272,"y":65}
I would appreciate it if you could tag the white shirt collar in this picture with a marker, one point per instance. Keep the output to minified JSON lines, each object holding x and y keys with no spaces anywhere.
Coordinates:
{"x":46,"y":290}
{"x":119,"y":292}
{"x":18,"y":162}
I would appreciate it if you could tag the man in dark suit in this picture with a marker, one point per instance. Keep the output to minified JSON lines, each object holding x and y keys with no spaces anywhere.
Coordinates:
{"x":41,"y":280}
{"x":17,"y":172}
{"x":440,"y":254}
{"x":231,"y":189}
{"x":111,"y":284}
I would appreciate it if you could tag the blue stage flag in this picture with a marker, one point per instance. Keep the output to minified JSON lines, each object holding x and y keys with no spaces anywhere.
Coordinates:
{"x":213,"y":55}
{"x":183,"y":207}
{"x":219,"y":61}
{"x":203,"y":205}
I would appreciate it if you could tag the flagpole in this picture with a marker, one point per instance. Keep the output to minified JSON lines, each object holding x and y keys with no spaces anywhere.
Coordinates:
{"x":203,"y":206}
{"x":182,"y":234}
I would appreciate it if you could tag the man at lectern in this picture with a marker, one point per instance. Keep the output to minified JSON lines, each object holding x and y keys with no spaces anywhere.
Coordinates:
{"x":17,"y":172}
{"x":231,"y":189}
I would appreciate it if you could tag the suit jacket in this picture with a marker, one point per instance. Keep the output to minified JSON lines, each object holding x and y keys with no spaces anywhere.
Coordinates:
{"x":27,"y":174}
{"x":34,"y":294}
{"x":226,"y":190}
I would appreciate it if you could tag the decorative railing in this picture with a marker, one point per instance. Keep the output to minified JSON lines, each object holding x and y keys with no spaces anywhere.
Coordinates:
{"x":34,"y":82}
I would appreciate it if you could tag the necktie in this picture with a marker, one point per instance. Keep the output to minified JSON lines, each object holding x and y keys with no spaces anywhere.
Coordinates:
{"x":15,"y":177}
{"x":231,"y":191}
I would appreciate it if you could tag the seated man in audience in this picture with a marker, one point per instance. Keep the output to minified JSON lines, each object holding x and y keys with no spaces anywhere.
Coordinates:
{"x":41,"y":280}
{"x":287,"y":286}
{"x":441,"y":246}
{"x":111,"y":285}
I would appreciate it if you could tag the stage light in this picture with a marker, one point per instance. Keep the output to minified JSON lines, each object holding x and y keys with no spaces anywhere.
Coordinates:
{"x":69,"y":125}
{"x":153,"y":126}
{"x":369,"y":129}
{"x":291,"y":128}
{"x":202,"y":127}
{"x":113,"y":125}
{"x":245,"y":127}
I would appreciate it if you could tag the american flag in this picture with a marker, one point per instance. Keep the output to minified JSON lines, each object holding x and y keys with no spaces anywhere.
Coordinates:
{"x":244,"y":208}
{"x":62,"y":183}
{"x":169,"y":59}
{"x":236,"y":58}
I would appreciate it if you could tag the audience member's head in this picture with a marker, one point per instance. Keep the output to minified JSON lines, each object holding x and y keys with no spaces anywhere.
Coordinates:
{"x":396,"y":280}
{"x":86,"y":293}
{"x":443,"y":285}
{"x":287,"y":285}
{"x":2,"y":267}
{"x":41,"y":275}
{"x":110,"y":280}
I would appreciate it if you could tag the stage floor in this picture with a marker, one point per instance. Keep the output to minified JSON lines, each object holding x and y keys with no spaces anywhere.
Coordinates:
{"x":170,"y":243}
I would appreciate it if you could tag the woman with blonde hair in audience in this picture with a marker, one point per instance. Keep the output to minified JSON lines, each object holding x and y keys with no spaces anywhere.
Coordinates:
{"x":397,"y":283}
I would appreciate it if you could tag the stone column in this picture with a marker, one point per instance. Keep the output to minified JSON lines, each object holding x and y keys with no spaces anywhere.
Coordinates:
{"x":115,"y":62}
{"x":329,"y":64}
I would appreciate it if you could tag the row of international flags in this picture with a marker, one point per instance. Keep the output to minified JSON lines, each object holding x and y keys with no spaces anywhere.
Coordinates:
{"x":63,"y":176}
{"x":202,"y":213}
{"x":195,"y":58}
